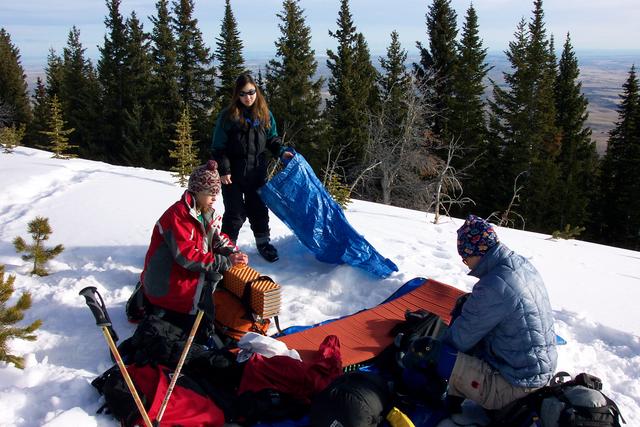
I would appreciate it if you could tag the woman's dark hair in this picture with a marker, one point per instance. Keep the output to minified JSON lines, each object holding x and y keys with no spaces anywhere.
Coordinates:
{"x":259,"y":109}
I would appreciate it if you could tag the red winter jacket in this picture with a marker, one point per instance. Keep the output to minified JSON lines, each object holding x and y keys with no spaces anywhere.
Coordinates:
{"x":181,"y":253}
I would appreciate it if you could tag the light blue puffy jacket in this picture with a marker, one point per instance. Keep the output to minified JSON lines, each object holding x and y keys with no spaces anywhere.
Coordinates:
{"x":507,"y":320}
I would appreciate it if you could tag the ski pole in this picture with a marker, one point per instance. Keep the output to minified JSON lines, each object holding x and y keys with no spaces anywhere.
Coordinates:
{"x":205,"y":305}
{"x":96,"y":304}
{"x":176,"y":373}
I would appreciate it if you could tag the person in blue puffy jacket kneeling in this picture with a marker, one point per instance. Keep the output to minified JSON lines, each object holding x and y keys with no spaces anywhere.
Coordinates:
{"x":501,"y":343}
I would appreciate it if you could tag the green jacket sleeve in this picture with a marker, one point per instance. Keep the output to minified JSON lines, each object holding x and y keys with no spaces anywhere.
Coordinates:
{"x":274,"y":142}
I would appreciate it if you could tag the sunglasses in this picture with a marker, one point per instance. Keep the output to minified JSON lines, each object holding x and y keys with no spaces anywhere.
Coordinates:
{"x":251,"y":92}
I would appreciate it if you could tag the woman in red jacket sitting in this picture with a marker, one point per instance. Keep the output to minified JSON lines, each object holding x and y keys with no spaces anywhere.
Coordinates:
{"x":187,"y":251}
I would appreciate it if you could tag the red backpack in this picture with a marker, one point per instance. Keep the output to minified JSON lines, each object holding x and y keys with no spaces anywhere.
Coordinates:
{"x":188,"y":405}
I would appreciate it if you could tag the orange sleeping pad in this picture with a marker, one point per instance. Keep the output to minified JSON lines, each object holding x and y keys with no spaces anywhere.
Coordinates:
{"x":365,"y":334}
{"x":261,"y":293}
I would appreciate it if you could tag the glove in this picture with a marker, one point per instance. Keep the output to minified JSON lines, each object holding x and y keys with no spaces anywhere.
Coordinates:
{"x":457,"y":309}
{"x":222,"y":263}
{"x":206,"y":298}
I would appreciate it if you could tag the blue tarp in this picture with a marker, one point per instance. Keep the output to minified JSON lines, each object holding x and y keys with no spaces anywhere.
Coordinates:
{"x":300,"y":200}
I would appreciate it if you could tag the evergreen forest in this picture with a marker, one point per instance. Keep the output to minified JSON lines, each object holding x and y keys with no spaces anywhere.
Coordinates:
{"x":418,"y":135}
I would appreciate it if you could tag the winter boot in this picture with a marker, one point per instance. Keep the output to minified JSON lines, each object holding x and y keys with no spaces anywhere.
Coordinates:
{"x":268,"y":252}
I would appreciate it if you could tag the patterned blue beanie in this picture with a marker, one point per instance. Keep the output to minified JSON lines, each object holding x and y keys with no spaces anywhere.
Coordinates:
{"x":476,"y":237}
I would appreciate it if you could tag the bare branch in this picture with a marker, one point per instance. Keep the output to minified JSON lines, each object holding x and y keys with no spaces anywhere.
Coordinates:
{"x":447,"y":186}
{"x":396,"y":152}
{"x":505,"y":219}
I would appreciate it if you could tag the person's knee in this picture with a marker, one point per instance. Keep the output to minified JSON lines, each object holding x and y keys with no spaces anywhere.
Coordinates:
{"x":476,"y":380}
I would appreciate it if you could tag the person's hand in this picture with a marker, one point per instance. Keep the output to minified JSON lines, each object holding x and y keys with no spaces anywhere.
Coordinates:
{"x":239,"y":258}
{"x":287,"y":155}
{"x":225,"y":179}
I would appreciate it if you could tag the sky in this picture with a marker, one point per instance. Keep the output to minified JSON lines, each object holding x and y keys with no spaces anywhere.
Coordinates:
{"x":38,"y":25}
{"x":104,"y":215}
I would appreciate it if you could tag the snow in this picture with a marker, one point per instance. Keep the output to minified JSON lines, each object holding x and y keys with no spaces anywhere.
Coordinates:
{"x":104,"y":215}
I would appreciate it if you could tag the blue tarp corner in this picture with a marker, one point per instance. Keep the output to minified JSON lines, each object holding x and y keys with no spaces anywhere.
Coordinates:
{"x":298,"y":198}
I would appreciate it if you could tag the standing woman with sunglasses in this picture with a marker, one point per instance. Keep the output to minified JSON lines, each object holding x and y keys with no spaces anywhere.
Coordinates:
{"x":244,"y":135}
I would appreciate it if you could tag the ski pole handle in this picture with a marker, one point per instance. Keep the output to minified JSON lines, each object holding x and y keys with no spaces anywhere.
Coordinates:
{"x":91,"y":295}
{"x":99,"y":310}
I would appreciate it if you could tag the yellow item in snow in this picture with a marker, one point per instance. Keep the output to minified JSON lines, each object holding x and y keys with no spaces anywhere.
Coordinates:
{"x":397,"y":418}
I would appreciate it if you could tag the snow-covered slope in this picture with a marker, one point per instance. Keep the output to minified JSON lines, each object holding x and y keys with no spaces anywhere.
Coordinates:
{"x":104,"y":215}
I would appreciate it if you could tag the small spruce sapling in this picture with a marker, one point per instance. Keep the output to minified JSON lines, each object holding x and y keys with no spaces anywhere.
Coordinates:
{"x":338,"y":191}
{"x":9,"y":316}
{"x":568,"y":232}
{"x":11,"y":137}
{"x":40,"y":231}
{"x":185,"y":152}
{"x":57,"y":133}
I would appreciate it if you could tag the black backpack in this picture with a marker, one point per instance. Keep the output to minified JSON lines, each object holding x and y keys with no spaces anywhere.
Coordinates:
{"x":574,"y":402}
{"x":416,"y":324}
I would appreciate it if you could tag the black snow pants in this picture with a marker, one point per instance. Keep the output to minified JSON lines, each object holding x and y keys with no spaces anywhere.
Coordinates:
{"x":241,"y":201}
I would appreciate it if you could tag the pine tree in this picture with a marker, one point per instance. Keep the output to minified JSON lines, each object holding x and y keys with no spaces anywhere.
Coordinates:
{"x":468,"y":122}
{"x":338,"y":191}
{"x":495,"y":194}
{"x":40,"y":118}
{"x":541,"y":196}
{"x":293,"y":93}
{"x":365,"y":85}
{"x":140,"y":131}
{"x":541,"y":72}
{"x":166,"y":97}
{"x":260,"y":82}
{"x":14,"y":101}
{"x":577,"y":158}
{"x":524,"y":123}
{"x":229,"y":56}
{"x":508,"y":122}
{"x":11,"y":137}
{"x":346,"y":108}
{"x":438,"y":62}
{"x":395,"y":82}
{"x":195,"y":72}
{"x":40,"y":230}
{"x":185,"y":152}
{"x":113,"y":80}
{"x":9,"y":316}
{"x":58,"y":140}
{"x":620,"y":205}
{"x":54,"y":72}
{"x":79,"y":93}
